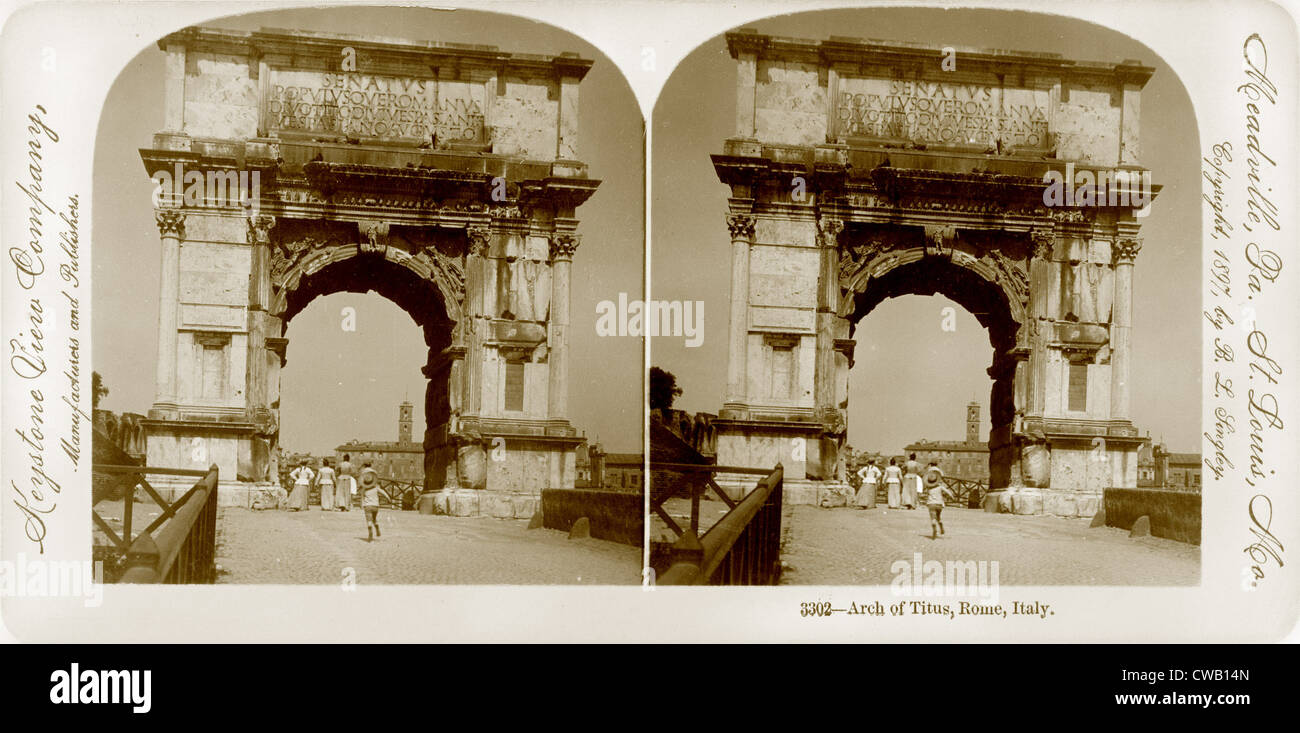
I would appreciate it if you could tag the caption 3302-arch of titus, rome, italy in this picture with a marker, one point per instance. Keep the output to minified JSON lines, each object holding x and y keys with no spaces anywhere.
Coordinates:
{"x":442,"y":176}
{"x":861,"y":171}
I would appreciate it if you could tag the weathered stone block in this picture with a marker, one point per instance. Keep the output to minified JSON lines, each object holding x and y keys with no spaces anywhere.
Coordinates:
{"x":524,"y":505}
{"x":464,"y":504}
{"x":1141,"y":528}
{"x":581,"y":529}
{"x":496,"y":505}
{"x":1061,"y":504}
{"x":1026,"y":502}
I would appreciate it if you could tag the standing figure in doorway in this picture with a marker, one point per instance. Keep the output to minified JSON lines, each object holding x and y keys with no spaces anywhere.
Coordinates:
{"x":325,"y":482}
{"x":893,"y":482}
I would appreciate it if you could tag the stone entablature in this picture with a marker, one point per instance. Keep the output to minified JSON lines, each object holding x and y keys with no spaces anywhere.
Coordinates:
{"x":288,"y":84}
{"x":824,"y":225}
{"x":866,"y":93}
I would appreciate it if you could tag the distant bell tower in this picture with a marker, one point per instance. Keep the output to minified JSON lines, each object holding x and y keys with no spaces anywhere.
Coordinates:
{"x":972,"y":422}
{"x":404,"y":422}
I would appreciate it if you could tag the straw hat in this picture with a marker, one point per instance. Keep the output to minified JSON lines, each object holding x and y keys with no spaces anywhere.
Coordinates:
{"x":933,"y":477}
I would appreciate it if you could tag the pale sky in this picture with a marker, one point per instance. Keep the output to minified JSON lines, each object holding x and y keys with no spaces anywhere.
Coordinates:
{"x":341,"y":385}
{"x":918,"y":387}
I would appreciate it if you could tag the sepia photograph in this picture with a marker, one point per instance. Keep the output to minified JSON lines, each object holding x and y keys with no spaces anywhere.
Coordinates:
{"x":532,"y":321}
{"x":343,"y":315}
{"x":953,"y":305}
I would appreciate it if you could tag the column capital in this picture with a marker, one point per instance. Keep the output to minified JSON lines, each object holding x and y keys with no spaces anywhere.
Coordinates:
{"x":171,"y":222}
{"x":1125,"y":251}
{"x":479,"y":236}
{"x":563,"y":245}
{"x":1043,"y":240}
{"x":741,"y":226}
{"x":259,"y":228}
{"x":828,"y":231}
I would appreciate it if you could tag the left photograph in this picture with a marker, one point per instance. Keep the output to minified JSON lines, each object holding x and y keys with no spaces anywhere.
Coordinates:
{"x":348,"y":266}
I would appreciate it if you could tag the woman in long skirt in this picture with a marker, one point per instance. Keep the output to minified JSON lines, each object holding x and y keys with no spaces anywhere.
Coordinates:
{"x":325,"y":482}
{"x":302,"y":477}
{"x":343,"y":491}
{"x":893,"y":482}
{"x":870,"y":475}
{"x":911,"y":482}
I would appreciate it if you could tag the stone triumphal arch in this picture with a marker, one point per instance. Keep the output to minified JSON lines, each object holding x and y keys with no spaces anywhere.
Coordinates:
{"x":860,"y":171}
{"x":442,"y":176}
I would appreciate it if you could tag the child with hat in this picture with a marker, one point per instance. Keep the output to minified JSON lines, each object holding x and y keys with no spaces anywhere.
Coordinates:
{"x":935,"y":489}
{"x":369,"y":481}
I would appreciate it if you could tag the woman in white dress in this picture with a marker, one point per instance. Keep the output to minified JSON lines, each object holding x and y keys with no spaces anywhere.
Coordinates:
{"x":870,"y":475}
{"x":302,"y":477}
{"x":343,"y":489}
{"x":893,"y":482}
{"x":325,"y":482}
{"x":911,"y":482}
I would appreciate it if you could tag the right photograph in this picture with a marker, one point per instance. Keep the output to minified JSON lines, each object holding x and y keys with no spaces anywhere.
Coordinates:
{"x":926,"y":292}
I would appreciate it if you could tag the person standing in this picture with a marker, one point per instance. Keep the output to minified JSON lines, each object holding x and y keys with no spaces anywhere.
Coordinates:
{"x":370,"y":500}
{"x":911,"y":482}
{"x":935,"y":489}
{"x":346,"y":486}
{"x":325,"y":482}
{"x":302,"y":477}
{"x":870,"y":475}
{"x":893,"y":482}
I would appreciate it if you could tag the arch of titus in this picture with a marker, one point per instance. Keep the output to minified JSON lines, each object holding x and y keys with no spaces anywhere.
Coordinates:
{"x":860,"y":171}
{"x":442,"y":176}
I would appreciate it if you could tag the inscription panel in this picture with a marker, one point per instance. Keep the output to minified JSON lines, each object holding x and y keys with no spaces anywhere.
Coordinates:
{"x":375,"y":106}
{"x":940,"y":113}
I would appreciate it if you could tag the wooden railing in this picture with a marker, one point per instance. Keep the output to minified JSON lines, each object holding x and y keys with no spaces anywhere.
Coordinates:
{"x":398,"y":494}
{"x":966,"y":492}
{"x":741,"y":548}
{"x":179,"y":545}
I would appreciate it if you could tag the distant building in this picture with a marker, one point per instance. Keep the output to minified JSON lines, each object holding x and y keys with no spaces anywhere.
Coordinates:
{"x":402,"y":460}
{"x":1146,"y":465}
{"x":622,"y":471}
{"x":1182,"y":471}
{"x":967,"y":458}
{"x":597,"y":469}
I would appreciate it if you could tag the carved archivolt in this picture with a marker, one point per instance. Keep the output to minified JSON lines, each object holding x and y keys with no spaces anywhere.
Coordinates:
{"x":301,"y":248}
{"x":883,"y":250}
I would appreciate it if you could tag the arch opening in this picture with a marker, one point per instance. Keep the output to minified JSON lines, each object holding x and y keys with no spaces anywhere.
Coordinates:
{"x":982,"y":298}
{"x":353,"y":269}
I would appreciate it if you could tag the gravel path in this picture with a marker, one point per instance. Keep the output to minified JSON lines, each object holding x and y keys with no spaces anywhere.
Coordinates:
{"x":315,"y":547}
{"x":846,"y":546}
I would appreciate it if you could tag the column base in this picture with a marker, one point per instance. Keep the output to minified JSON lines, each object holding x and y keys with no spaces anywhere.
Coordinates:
{"x":240,"y":494}
{"x":1054,"y":502}
{"x":479,"y":503}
